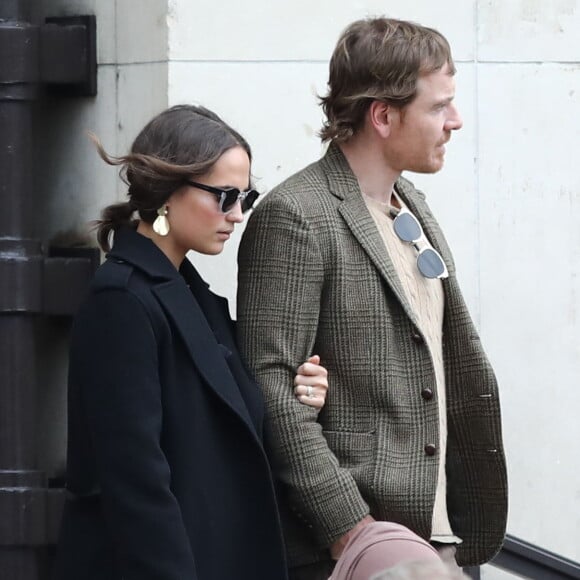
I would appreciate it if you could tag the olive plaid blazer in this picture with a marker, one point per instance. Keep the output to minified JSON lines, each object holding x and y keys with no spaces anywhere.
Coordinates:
{"x":314,"y":277}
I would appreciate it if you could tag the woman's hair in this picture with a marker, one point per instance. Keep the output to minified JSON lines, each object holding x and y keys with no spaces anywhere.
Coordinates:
{"x":378,"y":59}
{"x":180,"y":143}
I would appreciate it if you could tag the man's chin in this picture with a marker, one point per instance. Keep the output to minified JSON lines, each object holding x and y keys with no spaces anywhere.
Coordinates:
{"x":431,"y":168}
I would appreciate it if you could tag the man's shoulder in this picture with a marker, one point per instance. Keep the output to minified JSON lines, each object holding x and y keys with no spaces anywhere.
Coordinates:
{"x":308,"y":183}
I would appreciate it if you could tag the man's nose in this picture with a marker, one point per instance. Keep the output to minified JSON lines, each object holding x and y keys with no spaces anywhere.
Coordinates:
{"x":454,"y":121}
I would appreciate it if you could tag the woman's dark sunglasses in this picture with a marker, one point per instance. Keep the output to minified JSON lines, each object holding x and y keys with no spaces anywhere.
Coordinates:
{"x":408,"y":229}
{"x":229,"y":196}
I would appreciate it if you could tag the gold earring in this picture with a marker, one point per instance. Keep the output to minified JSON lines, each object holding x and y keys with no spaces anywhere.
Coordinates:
{"x":161,"y":223}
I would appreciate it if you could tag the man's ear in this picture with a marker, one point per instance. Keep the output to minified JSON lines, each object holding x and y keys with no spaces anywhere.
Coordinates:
{"x":380,"y":117}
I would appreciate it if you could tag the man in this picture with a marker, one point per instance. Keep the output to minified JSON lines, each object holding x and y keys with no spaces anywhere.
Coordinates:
{"x":346,"y":260}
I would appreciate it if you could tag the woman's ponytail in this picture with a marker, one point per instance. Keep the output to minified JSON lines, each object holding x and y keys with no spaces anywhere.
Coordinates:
{"x":112,"y":217}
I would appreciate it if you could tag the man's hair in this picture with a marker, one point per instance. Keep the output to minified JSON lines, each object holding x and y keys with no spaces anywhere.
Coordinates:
{"x":378,"y":59}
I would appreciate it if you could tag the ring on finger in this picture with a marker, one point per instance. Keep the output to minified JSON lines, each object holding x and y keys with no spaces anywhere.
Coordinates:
{"x":309,"y":393}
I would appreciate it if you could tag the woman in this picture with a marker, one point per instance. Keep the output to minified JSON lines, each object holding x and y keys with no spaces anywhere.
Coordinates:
{"x":167,"y":476}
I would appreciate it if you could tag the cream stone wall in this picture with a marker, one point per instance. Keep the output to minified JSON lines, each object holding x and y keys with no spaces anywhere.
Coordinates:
{"x":508,"y":197}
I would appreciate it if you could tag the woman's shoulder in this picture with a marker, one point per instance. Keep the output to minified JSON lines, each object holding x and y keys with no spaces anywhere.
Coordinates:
{"x":120,"y":299}
{"x":112,"y":274}
{"x":119,"y":282}
{"x":121,"y":275}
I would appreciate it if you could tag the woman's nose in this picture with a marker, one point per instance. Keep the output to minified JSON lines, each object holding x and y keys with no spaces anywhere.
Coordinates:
{"x":235,"y":214}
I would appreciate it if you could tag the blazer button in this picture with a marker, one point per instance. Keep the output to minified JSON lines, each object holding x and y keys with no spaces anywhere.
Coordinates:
{"x":427,"y":394}
{"x":430,"y":449}
{"x":418,"y":338}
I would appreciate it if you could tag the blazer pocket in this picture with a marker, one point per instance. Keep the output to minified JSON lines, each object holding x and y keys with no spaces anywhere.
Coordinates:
{"x":351,"y":448}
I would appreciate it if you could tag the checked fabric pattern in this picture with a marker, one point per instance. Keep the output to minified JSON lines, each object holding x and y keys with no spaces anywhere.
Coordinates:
{"x":314,"y":277}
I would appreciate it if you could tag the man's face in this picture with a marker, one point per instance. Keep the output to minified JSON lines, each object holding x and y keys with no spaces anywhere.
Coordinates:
{"x":420,"y":130}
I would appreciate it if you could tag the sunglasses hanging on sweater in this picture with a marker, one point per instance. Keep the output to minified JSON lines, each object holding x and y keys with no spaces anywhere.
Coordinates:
{"x":409,"y":230}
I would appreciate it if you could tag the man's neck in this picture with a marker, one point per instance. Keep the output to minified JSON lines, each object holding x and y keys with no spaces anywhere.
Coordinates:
{"x":366,"y":159}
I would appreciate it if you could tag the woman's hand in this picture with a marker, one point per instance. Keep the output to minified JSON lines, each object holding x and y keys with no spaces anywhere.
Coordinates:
{"x":311,"y":383}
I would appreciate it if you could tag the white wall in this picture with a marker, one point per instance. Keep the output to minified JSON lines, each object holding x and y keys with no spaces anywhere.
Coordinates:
{"x":508,"y":197}
{"x":72,"y":184}
{"x":132,"y":55}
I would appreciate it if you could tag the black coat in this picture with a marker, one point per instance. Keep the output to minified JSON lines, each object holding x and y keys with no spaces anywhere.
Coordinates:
{"x":167,"y":476}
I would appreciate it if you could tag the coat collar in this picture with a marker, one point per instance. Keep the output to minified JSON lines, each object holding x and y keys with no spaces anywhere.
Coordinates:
{"x":142,"y":253}
{"x":173,"y":293}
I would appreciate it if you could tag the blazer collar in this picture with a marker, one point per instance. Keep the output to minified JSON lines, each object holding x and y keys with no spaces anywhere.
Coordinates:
{"x":342,"y":181}
{"x":344,"y":185}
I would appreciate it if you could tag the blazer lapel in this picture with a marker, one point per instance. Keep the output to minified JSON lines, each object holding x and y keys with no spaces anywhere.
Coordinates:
{"x":343,"y":184}
{"x":364,"y":229}
{"x":206,"y":353}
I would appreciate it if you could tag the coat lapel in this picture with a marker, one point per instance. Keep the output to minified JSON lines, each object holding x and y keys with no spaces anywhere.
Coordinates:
{"x":207,"y":355}
{"x":183,"y":310}
{"x":353,"y":209}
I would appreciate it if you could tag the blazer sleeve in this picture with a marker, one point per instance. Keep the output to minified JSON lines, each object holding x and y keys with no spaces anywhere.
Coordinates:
{"x":280,"y":286}
{"x":114,"y":363}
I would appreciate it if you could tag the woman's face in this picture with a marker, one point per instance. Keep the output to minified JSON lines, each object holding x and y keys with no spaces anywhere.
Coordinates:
{"x":195,"y":220}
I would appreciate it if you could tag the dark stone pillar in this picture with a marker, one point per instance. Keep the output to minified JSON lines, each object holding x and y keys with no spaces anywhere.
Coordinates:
{"x":23,"y":489}
{"x":31,"y":284}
